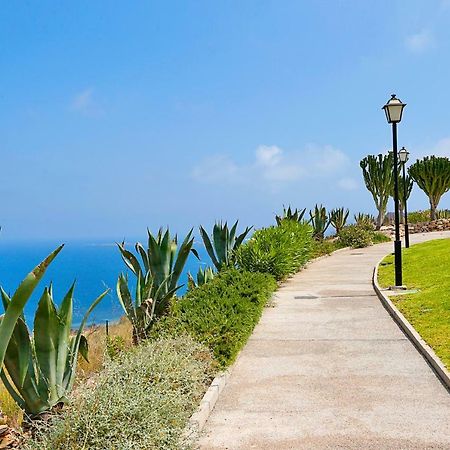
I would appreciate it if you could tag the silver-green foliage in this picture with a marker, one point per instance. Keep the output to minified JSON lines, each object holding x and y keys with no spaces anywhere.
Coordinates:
{"x":157,"y":269}
{"x":338,"y":218}
{"x":19,"y":300}
{"x":378,"y":173}
{"x":223,"y":244}
{"x":319,"y":221}
{"x":290,"y":214}
{"x":42,"y":366}
{"x":203,"y":277}
{"x":432,"y":175}
{"x":142,"y":400}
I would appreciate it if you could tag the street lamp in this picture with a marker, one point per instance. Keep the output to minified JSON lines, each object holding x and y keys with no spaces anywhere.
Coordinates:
{"x":403,"y":154}
{"x":393,"y":110}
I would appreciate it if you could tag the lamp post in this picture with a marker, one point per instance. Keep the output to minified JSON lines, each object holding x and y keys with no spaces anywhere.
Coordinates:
{"x":393,"y":110}
{"x":404,"y":155}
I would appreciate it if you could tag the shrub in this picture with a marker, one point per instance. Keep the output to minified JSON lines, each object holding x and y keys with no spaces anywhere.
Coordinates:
{"x":280,"y":250}
{"x":141,"y":400}
{"x":221,"y":313}
{"x":378,"y":238}
{"x":355,"y":237}
{"x":325,"y":247}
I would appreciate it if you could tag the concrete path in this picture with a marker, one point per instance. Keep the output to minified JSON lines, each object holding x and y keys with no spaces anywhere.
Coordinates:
{"x":327,"y":368}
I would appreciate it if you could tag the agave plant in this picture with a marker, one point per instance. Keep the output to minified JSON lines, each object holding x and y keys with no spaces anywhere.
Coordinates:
{"x":319,"y":221}
{"x":39,"y":369}
{"x":289,"y":214}
{"x":158,"y":272}
{"x":18,"y":301}
{"x":203,"y":277}
{"x":338,"y":218}
{"x":142,"y":310}
{"x":366,"y":221}
{"x":222,"y":248}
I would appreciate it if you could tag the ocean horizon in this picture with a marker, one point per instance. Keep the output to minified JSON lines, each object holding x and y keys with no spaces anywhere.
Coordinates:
{"x":93,"y":265}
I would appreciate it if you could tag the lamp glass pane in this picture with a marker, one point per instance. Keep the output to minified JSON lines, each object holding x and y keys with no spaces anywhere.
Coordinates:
{"x":395,"y":112}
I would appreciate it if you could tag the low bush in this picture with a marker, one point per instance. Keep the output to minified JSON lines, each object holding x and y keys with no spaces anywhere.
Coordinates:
{"x":222,"y":313}
{"x":280,"y":250}
{"x":325,"y":247}
{"x":419,"y":216}
{"x":378,"y":238}
{"x":143,"y":399}
{"x":355,"y":237}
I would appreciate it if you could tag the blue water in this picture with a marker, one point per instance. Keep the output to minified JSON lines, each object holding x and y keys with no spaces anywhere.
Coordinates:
{"x":94,"y":266}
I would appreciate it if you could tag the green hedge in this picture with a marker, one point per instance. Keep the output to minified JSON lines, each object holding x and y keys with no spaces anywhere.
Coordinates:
{"x":279,"y":250}
{"x":141,"y":400}
{"x":222,"y":313}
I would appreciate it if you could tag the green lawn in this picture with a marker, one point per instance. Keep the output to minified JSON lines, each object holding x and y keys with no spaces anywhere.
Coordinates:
{"x":426,"y":267}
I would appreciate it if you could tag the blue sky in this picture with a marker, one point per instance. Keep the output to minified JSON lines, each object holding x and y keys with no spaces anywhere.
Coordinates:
{"x":116,"y":116}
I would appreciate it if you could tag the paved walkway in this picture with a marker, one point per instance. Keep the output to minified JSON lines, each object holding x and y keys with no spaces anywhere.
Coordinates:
{"x":327,"y":368}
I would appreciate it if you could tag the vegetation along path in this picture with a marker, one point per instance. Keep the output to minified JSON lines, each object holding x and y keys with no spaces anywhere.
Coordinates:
{"x":327,"y":368}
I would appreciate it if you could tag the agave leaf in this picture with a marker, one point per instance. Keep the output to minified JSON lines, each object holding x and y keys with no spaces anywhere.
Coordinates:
{"x":220,"y":235}
{"x":19,"y":299}
{"x":84,"y":348}
{"x":140,"y":249}
{"x":129,"y":259}
{"x":209,"y":247}
{"x":46,"y":343}
{"x":124,"y":296}
{"x":182,"y":257}
{"x":241,"y":237}
{"x":12,"y":392}
{"x":65,"y":323}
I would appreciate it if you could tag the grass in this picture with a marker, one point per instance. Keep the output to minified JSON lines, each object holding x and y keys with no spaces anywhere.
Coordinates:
{"x":425,"y":268}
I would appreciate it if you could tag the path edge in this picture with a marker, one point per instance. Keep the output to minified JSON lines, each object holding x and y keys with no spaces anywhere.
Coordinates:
{"x":424,"y":349}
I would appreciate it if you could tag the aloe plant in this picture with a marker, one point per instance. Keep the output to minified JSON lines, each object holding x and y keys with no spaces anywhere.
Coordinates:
{"x":319,"y":221}
{"x":378,"y":173}
{"x":203,"y":277}
{"x":224,"y":243}
{"x":338,"y":218}
{"x":39,"y":369}
{"x":289,"y":214}
{"x":432,"y":175}
{"x":157,"y":269}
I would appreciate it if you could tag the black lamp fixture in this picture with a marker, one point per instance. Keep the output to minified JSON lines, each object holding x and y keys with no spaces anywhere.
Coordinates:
{"x":394,"y":111}
{"x":403,"y":155}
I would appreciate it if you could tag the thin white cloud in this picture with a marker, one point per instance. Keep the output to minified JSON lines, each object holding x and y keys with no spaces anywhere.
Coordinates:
{"x":84,"y":103}
{"x":273,"y":166}
{"x":348,"y":184}
{"x":420,"y":42}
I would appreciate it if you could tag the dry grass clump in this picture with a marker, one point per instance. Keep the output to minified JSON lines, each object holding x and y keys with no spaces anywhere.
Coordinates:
{"x":141,"y":400}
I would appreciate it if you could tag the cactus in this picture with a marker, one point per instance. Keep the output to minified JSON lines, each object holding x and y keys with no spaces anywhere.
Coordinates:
{"x":338,"y":218}
{"x":432,"y":175}
{"x":319,"y":221}
{"x":289,"y":214}
{"x":222,"y":249}
{"x":379,"y":180}
{"x":402,"y":195}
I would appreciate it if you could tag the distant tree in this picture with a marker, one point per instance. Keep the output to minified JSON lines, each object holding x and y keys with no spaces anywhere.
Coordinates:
{"x":379,"y":179}
{"x":432,"y":175}
{"x":402,"y":195}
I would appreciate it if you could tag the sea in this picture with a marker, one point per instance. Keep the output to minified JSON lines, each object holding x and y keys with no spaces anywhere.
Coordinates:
{"x":94,"y":266}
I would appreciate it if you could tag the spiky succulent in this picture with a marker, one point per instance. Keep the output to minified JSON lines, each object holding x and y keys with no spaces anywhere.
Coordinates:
{"x":289,"y":214}
{"x":338,"y":218}
{"x":203,"y":277}
{"x":223,"y":244}
{"x":319,"y":221}
{"x":40,"y":368}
